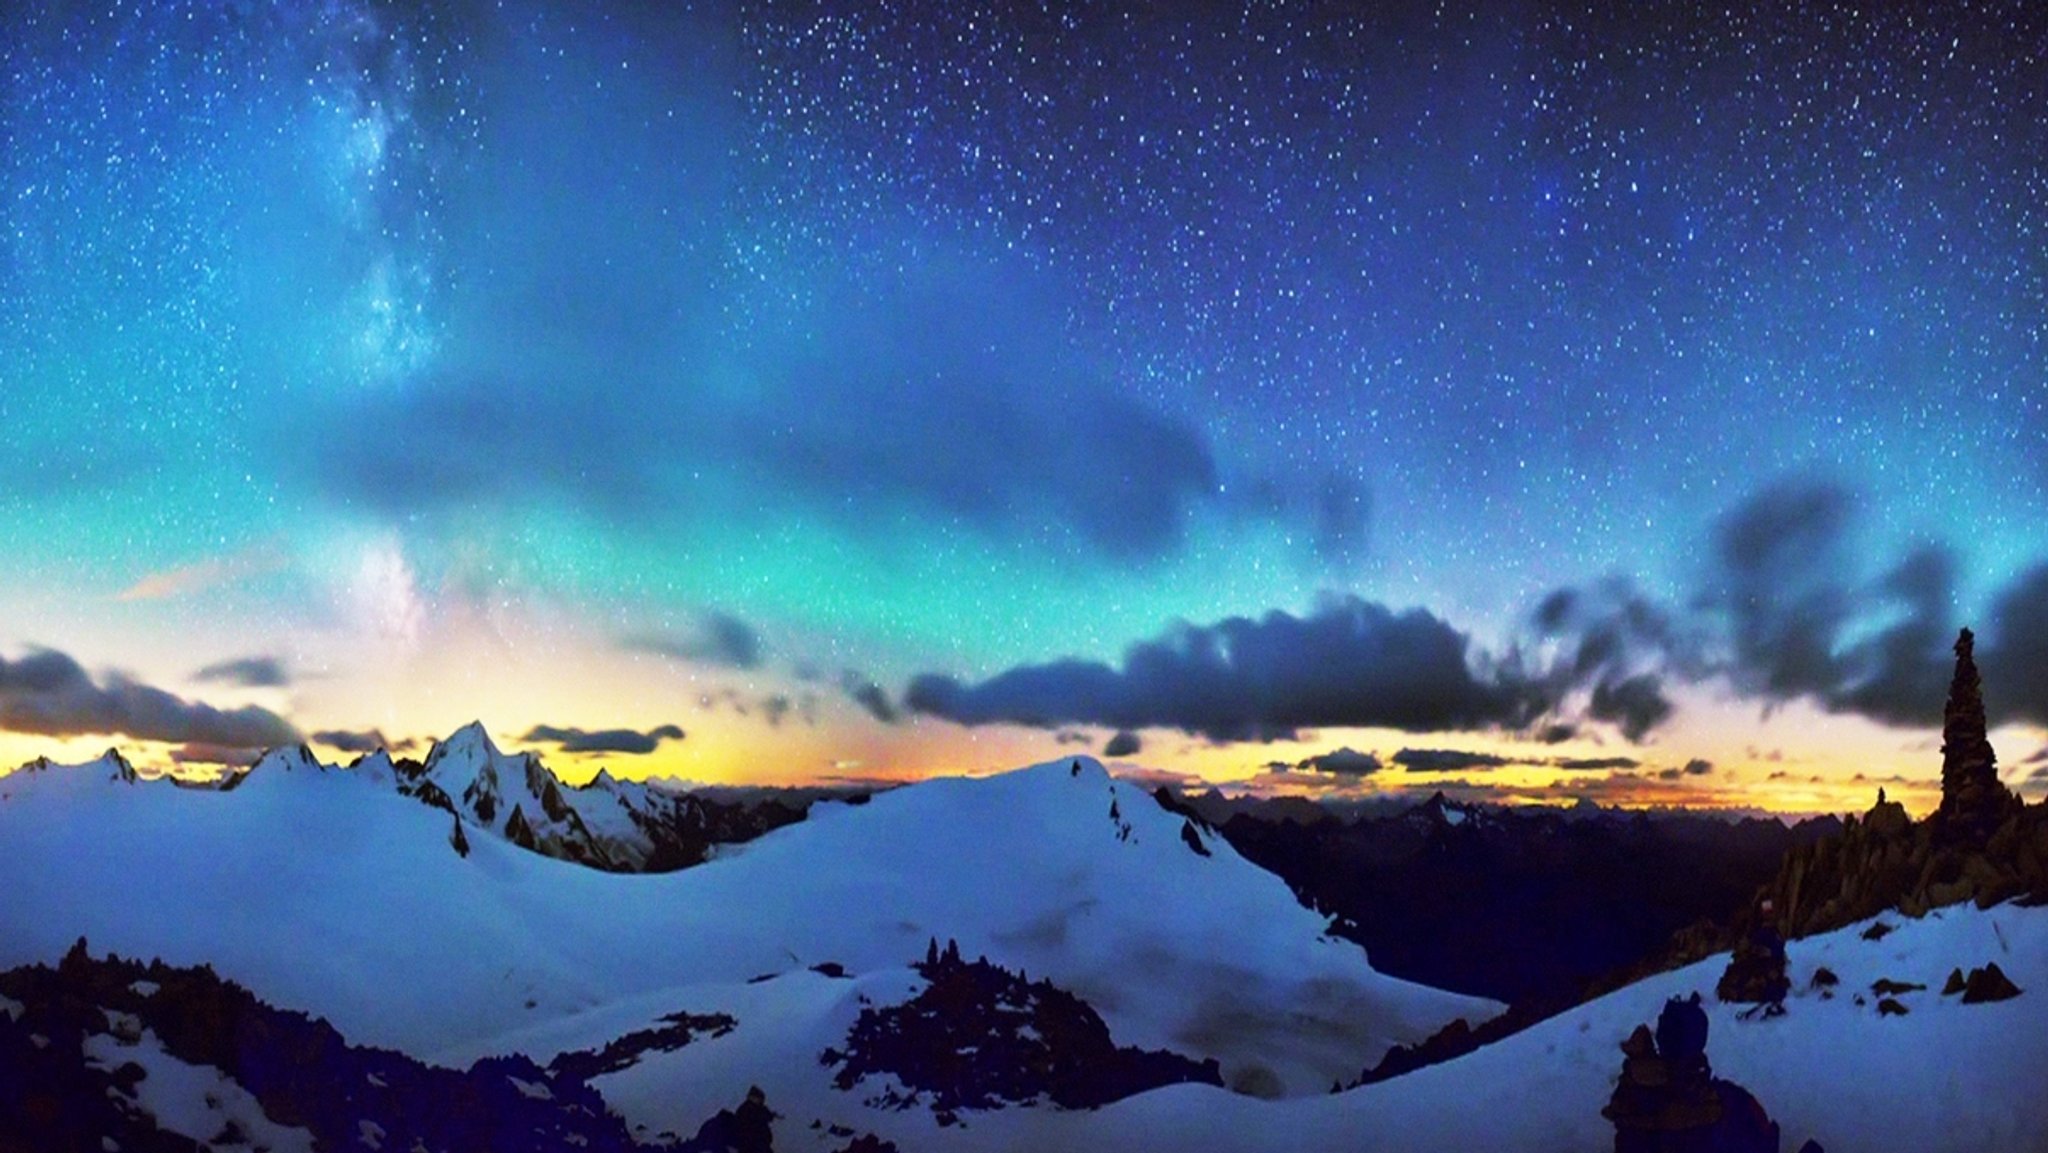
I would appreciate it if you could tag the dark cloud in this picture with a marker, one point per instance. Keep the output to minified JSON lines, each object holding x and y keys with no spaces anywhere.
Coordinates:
{"x":224,"y":756}
{"x":352,"y":742}
{"x":1783,"y":584}
{"x":1900,"y":674}
{"x":1782,"y":613}
{"x":1698,"y":767}
{"x":1637,"y":704}
{"x":625,"y":741}
{"x":248,"y":672}
{"x":1124,"y":744}
{"x":1072,"y":737}
{"x":2013,"y":650}
{"x":1344,"y":762}
{"x":719,"y":639}
{"x":596,"y":363}
{"x":774,"y":708}
{"x":1633,"y":788}
{"x":1590,"y":763}
{"x":1615,"y":641}
{"x":942,"y":389}
{"x":49,"y":694}
{"x":1343,"y":518}
{"x":869,"y":696}
{"x":2040,"y":757}
{"x":1447,"y":760}
{"x":1349,"y":663}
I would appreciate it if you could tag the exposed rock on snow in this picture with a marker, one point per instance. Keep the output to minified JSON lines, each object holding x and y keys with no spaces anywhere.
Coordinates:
{"x":981,"y":1037}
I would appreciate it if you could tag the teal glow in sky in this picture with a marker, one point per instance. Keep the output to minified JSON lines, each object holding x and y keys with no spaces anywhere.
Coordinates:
{"x":872,"y":389}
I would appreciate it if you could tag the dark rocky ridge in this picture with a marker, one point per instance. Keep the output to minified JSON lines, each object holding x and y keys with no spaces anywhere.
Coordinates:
{"x":302,"y":1073}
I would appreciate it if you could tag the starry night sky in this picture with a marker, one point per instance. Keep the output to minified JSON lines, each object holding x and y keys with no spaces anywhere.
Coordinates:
{"x":1536,"y":399}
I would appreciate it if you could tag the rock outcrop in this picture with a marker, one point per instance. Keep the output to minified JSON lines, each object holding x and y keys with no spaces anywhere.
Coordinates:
{"x":1756,"y":970}
{"x":1982,"y":844}
{"x":982,"y":1037}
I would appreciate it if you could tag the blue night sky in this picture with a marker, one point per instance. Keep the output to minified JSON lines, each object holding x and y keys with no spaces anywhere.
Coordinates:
{"x":1613,"y":400}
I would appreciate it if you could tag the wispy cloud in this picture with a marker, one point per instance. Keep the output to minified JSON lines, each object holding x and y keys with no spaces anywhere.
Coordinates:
{"x":719,"y":638}
{"x":202,"y":575}
{"x":248,"y":672}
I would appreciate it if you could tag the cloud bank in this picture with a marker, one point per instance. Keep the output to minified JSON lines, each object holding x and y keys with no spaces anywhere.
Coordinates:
{"x":629,"y":742}
{"x":1349,"y":663}
{"x":49,"y":694}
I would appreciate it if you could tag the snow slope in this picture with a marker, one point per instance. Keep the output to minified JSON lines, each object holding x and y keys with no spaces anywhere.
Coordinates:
{"x":326,"y":890}
{"x":1945,"y":1078}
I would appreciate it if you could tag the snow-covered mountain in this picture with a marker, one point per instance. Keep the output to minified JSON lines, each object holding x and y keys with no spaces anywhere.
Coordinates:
{"x":622,"y":826}
{"x":675,"y":996}
{"x":516,"y":797}
{"x":327,"y":890}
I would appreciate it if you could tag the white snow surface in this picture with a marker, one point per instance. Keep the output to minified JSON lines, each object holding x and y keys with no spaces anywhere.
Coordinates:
{"x":325,"y":890}
{"x":1946,"y":1078}
{"x":196,"y":1101}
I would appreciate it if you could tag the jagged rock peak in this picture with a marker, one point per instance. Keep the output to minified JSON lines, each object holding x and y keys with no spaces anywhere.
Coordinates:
{"x":122,"y":770}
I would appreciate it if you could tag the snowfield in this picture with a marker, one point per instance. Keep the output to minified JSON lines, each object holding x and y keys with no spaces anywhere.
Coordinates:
{"x":1945,"y":1077}
{"x":324,"y":889}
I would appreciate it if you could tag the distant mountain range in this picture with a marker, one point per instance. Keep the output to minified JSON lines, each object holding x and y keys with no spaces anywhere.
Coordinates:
{"x":609,"y":824}
{"x":1583,"y":892}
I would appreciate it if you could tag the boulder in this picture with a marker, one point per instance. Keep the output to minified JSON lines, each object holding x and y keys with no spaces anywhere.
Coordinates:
{"x":1988,"y":984}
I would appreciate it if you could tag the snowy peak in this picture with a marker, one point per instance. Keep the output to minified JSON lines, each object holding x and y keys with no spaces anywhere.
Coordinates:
{"x":43,"y":776}
{"x":118,"y":768}
{"x":289,"y":759}
{"x":518,"y":798}
{"x":467,"y":756}
{"x":375,"y":766}
{"x":1440,"y":812}
{"x":471,"y":740}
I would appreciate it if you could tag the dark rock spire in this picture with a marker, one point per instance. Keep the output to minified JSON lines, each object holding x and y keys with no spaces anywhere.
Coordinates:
{"x":1973,"y":800}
